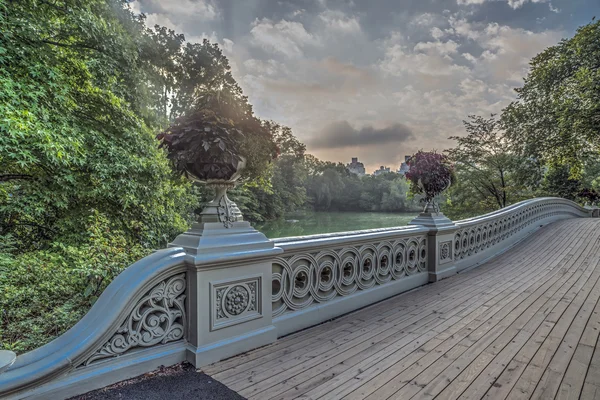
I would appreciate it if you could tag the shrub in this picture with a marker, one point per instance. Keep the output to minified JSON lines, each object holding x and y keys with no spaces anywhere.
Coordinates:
{"x":44,"y":293}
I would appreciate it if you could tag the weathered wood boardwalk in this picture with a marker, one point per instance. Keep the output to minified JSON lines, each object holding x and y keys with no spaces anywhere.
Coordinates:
{"x":524,"y":325}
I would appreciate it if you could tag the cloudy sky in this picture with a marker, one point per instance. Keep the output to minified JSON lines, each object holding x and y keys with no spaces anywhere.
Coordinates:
{"x":375,"y":79}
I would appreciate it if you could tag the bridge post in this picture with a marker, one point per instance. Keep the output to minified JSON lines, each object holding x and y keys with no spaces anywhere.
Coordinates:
{"x":594,"y":211}
{"x":229,"y":278}
{"x":440,"y":244}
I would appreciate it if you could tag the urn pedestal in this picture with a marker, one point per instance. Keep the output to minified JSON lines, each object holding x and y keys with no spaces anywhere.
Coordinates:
{"x":229,"y":280}
{"x":440,"y":243}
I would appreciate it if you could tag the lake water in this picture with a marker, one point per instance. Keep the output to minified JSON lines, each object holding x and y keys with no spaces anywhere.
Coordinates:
{"x":311,"y":223}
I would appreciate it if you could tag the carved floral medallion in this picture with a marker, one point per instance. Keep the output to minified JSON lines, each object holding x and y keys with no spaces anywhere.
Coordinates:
{"x":235,"y":302}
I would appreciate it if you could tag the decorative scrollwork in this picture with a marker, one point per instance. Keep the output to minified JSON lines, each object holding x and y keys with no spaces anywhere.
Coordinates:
{"x":157,"y":318}
{"x":302,"y":279}
{"x":445,"y":251}
{"x":474,"y":238}
{"x":237,"y":300}
{"x":225,"y":211}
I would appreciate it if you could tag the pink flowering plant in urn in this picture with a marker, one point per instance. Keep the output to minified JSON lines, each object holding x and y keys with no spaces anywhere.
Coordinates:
{"x":430,"y":174}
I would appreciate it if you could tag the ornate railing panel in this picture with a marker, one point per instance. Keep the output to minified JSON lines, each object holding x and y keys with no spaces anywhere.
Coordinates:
{"x":475,"y":235}
{"x":143,"y":308}
{"x":157,"y":318}
{"x":317,"y":275}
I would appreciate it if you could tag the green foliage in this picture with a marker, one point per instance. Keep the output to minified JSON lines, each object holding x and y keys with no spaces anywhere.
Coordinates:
{"x":557,"y":115}
{"x":43,"y":293}
{"x":558,"y":181}
{"x":73,"y":137}
{"x":84,"y":189}
{"x":491,"y":174}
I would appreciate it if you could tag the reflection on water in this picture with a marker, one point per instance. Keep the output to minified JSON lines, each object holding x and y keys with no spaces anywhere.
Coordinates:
{"x":310,"y":223}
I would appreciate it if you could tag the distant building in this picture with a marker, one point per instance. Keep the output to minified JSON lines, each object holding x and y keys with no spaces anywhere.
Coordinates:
{"x":356,"y":167}
{"x":381,"y":170}
{"x":404,"y":166}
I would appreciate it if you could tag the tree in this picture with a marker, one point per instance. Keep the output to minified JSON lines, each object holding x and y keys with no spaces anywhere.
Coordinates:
{"x":397,"y":199}
{"x":487,"y":164}
{"x":559,"y":182}
{"x":74,"y":137}
{"x":556,"y":117}
{"x":325,"y":187}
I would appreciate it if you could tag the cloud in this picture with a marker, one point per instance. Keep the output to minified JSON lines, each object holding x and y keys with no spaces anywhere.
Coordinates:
{"x":341,"y":134}
{"x":263,"y":68}
{"x":198,"y":9}
{"x":428,"y":64}
{"x":339,"y":21}
{"x":514,"y":4}
{"x":462,"y":28}
{"x":554,"y":9}
{"x":438,"y":47}
{"x":468,"y":2}
{"x":508,"y":50}
{"x":338,"y":68}
{"x":437,"y":33}
{"x":425,"y":58}
{"x":425,"y":19}
{"x":284,"y":37}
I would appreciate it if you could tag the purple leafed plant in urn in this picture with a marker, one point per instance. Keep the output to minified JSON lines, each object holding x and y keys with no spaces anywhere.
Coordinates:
{"x":430,"y":174}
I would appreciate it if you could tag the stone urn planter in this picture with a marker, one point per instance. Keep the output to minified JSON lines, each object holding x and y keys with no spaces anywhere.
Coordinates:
{"x":430,"y":174}
{"x":206,"y":148}
{"x":221,"y":177}
{"x":430,"y":194}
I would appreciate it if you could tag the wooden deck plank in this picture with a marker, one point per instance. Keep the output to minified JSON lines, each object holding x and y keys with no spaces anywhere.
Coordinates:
{"x":416,"y":384}
{"x":459,"y":373}
{"x":418,"y":316}
{"x":553,"y":375}
{"x":529,"y":380}
{"x":523,"y":324}
{"x":488,"y":379}
{"x":299,"y":388}
{"x":474,"y":328}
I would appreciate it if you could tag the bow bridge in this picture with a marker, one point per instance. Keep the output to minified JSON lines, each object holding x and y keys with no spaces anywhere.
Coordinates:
{"x":502,"y":306}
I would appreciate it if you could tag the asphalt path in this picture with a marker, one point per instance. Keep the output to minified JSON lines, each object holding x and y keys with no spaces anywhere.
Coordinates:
{"x":178,"y":382}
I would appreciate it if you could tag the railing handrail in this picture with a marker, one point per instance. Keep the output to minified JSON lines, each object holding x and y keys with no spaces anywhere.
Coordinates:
{"x":516,"y":207}
{"x":105,"y":316}
{"x":332,"y":239}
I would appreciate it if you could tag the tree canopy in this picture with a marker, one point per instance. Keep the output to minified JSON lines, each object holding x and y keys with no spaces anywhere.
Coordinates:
{"x":488,"y":167}
{"x":77,"y":135}
{"x":556,"y":116}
